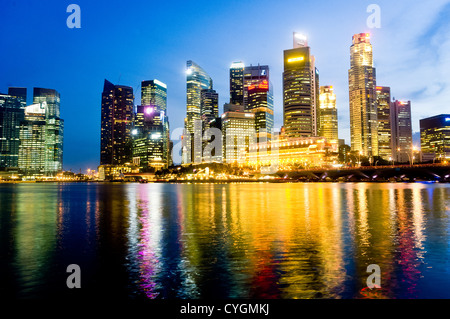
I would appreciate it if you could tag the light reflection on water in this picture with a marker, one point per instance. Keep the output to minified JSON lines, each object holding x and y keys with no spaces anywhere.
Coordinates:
{"x":225,"y":240}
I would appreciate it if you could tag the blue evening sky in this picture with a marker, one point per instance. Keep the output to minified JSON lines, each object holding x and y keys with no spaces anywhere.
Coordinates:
{"x":130,"y":41}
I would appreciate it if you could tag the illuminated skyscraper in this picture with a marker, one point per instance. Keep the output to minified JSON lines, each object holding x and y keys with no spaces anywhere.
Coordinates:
{"x":11,"y":116}
{"x":384,"y":122}
{"x":258,"y":99}
{"x":402,"y":147}
{"x":362,"y":89}
{"x":116,"y":124}
{"x":19,"y":93}
{"x":209,"y":106}
{"x":151,"y":139}
{"x":237,"y":83}
{"x":328,"y":120}
{"x":154,"y":92}
{"x":300,"y":90}
{"x":238,"y":128}
{"x":435,"y":137}
{"x":260,"y":102}
{"x":51,"y":97}
{"x":41,"y":135}
{"x":196,"y":81}
{"x":253,"y":75}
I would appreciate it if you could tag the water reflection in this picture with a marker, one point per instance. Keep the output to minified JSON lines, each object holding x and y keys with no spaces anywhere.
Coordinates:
{"x":226,"y":240}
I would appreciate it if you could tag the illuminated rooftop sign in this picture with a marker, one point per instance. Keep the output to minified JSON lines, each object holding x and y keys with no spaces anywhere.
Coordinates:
{"x":264,"y":85}
{"x":296,"y":59}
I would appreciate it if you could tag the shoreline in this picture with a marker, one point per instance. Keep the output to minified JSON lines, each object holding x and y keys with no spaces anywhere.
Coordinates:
{"x":231,"y":181}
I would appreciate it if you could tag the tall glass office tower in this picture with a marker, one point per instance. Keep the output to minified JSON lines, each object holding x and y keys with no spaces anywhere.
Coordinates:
{"x":117,"y":117}
{"x":328,"y":119}
{"x":151,"y":139}
{"x":19,"y":93}
{"x":300,"y":90}
{"x":11,"y":116}
{"x":402,"y":147}
{"x":384,"y":122}
{"x":41,"y":135}
{"x":196,"y":81}
{"x":363,"y":95}
{"x":154,"y":92}
{"x":51,"y":97}
{"x":237,"y":83}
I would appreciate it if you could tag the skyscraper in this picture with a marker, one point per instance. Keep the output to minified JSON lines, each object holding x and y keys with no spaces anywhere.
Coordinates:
{"x":328,"y":120}
{"x":51,"y":97}
{"x":253,"y":75}
{"x":362,"y":91}
{"x":154,"y":92}
{"x":209,"y":106}
{"x":238,"y":128}
{"x":19,"y":93}
{"x":11,"y":116}
{"x":300,"y":90}
{"x":196,"y":81}
{"x":237,"y":83}
{"x":384,"y":122}
{"x":260,"y":102}
{"x":150,"y":133}
{"x":116,"y":124}
{"x":402,"y":146}
{"x":41,"y":135}
{"x":435,"y":137}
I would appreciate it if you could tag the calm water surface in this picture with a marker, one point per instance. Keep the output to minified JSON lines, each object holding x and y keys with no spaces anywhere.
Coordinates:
{"x":224,"y":240}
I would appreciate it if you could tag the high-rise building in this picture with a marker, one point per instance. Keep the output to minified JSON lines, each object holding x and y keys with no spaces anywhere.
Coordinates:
{"x":237,"y":83}
{"x":362,"y":91}
{"x":11,"y":116}
{"x":41,"y":135}
{"x":154,"y":92}
{"x":238,"y":128}
{"x":328,"y":119}
{"x":155,"y":126}
{"x":300,"y":90}
{"x":253,"y":75}
{"x":260,"y":102}
{"x":209,"y":107}
{"x":435,"y":138}
{"x":51,"y":97}
{"x":384,"y":122}
{"x":116,"y":124}
{"x":402,"y":147}
{"x":19,"y":93}
{"x":196,"y":81}
{"x":150,"y":138}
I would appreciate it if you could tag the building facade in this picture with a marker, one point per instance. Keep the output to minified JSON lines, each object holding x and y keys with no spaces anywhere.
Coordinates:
{"x":238,"y":133}
{"x":41,"y":137}
{"x":300,"y":90}
{"x":384,"y":118}
{"x":435,"y":138}
{"x":328,"y":118}
{"x":402,"y":146}
{"x":19,"y":93}
{"x":196,"y":81}
{"x":362,"y":94}
{"x":12,"y":115}
{"x":237,"y":83}
{"x":260,"y":103}
{"x":117,"y":115}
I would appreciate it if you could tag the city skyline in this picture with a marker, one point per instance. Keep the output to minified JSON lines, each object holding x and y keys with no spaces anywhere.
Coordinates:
{"x":81,"y":146}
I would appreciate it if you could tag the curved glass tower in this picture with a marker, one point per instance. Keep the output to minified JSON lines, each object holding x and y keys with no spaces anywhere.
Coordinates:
{"x":363,"y":95}
{"x":196,"y":81}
